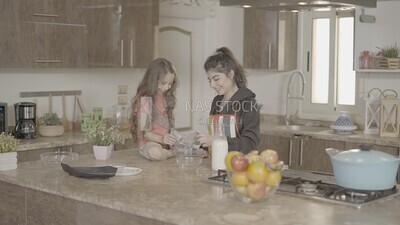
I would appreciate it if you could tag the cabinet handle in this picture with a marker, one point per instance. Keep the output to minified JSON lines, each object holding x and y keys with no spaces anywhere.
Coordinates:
{"x":290,"y":152}
{"x":308,"y":61}
{"x":131,"y":53}
{"x":48,"y":61}
{"x":301,"y":152}
{"x":122,"y":52}
{"x":46,"y":15}
{"x":269,"y":55}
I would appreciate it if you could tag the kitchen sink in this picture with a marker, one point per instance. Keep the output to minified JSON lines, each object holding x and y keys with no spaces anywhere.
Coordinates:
{"x":303,"y":128}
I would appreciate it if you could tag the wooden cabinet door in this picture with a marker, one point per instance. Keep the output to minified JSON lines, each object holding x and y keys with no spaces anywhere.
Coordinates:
{"x":11,"y":55}
{"x":260,"y":39}
{"x":121,"y":32}
{"x":55,"y":46}
{"x":315,"y":157}
{"x":51,"y":11}
{"x":277,"y":143}
{"x":103,"y":24}
{"x":270,"y":40}
{"x":46,"y":34}
{"x":138,"y":21}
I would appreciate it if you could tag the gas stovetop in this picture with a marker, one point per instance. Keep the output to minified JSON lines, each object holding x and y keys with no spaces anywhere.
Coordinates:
{"x":320,"y":186}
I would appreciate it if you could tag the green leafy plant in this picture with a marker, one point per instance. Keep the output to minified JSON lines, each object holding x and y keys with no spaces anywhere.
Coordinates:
{"x":8,"y":143}
{"x":100,"y":135}
{"x":390,"y":51}
{"x":50,"y":119}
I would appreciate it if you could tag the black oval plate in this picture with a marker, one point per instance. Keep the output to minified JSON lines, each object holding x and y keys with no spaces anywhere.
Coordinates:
{"x":100,"y":172}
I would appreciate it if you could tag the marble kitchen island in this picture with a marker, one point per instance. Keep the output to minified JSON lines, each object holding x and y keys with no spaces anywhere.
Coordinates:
{"x":161,"y":194}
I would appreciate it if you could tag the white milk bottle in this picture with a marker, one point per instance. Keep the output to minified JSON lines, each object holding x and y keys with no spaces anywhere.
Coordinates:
{"x":219,"y":149}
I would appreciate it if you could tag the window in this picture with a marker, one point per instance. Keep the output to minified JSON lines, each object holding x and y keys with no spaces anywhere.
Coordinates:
{"x":328,"y":48}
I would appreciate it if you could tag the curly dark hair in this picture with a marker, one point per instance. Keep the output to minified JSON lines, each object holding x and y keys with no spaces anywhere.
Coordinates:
{"x":223,"y":61}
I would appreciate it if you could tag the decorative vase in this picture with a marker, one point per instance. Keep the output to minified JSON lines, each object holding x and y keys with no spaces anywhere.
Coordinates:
{"x":8,"y":161}
{"x":102,"y":152}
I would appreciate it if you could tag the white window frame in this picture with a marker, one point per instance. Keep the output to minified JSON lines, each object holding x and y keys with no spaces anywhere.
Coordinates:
{"x":310,"y":110}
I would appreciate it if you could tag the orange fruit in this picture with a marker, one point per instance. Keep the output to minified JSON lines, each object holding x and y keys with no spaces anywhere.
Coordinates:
{"x":257,"y":172}
{"x":273,"y":178}
{"x":239,"y":179}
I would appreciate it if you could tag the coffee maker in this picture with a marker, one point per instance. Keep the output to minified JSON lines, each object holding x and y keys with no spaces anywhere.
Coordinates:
{"x":25,"y":120}
{"x":3,"y":118}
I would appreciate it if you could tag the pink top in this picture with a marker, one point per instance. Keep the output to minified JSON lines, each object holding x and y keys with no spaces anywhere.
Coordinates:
{"x":151,"y":117}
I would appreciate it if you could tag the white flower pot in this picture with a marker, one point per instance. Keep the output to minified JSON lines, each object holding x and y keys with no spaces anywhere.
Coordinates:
{"x":8,"y":161}
{"x":102,"y":152}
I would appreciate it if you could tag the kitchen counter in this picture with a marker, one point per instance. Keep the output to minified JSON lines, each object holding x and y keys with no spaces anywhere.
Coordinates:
{"x":30,"y":149}
{"x":78,"y":138}
{"x":67,"y":139}
{"x":161,"y":194}
{"x":327,"y":134}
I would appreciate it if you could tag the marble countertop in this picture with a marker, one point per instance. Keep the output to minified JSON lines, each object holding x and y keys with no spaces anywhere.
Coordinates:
{"x":67,"y":139}
{"x":165,"y":193}
{"x":327,"y":134}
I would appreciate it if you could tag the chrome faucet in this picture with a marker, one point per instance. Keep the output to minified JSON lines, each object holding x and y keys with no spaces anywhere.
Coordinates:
{"x":288,"y":118}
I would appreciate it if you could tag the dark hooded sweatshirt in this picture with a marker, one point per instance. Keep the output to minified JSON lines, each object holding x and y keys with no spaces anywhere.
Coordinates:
{"x":243,"y":105}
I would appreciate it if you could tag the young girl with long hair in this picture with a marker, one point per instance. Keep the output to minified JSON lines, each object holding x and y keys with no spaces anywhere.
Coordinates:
{"x":152,"y":117}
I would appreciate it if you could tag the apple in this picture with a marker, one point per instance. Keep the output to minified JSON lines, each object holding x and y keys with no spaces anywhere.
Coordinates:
{"x":239,"y":163}
{"x":269,"y":156}
{"x":256,"y":191}
{"x":228,"y":158}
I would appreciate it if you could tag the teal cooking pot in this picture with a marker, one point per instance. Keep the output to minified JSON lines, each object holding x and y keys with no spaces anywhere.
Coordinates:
{"x":364,"y":169}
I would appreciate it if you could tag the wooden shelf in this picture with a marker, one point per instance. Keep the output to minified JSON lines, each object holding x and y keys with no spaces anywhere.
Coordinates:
{"x":378,"y":71}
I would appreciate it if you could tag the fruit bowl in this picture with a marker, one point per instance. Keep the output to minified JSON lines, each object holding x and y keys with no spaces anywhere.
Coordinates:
{"x":254,"y":178}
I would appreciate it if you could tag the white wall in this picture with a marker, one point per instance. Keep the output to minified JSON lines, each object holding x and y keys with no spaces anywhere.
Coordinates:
{"x":99,"y":87}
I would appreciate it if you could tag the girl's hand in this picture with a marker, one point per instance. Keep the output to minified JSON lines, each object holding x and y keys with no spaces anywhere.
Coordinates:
{"x":169,"y":139}
{"x":204,"y":140}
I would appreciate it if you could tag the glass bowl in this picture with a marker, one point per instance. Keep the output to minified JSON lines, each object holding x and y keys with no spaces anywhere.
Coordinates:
{"x":53,"y":159}
{"x":188,"y":162}
{"x":248,"y":191}
{"x":188,"y":158}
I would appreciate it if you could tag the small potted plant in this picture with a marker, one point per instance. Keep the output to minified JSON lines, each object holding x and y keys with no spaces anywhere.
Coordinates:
{"x":103,"y":139}
{"x":8,"y":152}
{"x":50,"y":125}
{"x":391,"y":53}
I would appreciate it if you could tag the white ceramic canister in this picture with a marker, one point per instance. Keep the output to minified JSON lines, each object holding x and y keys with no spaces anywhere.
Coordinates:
{"x":219,"y":149}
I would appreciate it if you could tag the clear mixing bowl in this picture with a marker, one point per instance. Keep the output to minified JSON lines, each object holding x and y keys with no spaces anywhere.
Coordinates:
{"x":53,"y":159}
{"x":188,"y":158}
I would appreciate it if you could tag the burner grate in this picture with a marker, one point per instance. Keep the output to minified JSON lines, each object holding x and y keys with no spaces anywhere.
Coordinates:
{"x":322,"y":186}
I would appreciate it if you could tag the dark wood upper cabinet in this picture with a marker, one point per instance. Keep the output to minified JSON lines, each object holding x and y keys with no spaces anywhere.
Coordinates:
{"x":77,"y":33}
{"x":121,"y":32}
{"x":270,"y":40}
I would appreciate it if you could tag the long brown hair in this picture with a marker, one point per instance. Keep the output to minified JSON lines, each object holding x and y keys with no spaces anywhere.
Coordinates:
{"x":223,"y":61}
{"x":156,"y":70}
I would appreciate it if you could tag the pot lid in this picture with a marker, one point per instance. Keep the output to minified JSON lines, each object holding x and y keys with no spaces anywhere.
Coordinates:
{"x":364,"y":156}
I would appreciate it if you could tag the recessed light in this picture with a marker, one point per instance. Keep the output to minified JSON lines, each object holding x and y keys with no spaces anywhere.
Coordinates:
{"x":246,"y":6}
